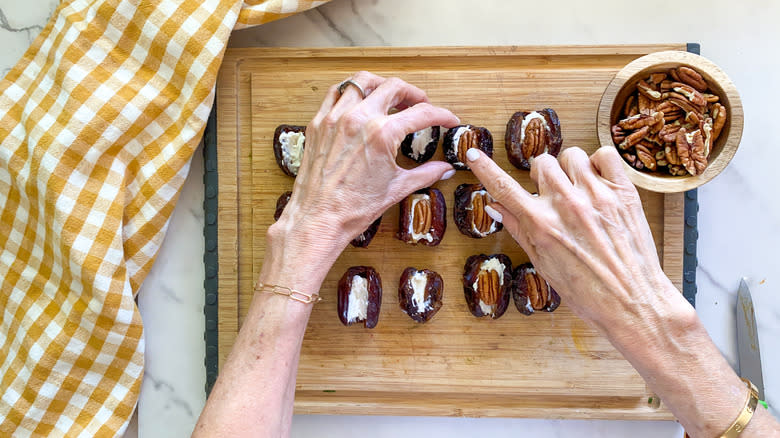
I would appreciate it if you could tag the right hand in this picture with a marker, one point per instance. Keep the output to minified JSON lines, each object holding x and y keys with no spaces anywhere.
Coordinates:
{"x":586,"y":233}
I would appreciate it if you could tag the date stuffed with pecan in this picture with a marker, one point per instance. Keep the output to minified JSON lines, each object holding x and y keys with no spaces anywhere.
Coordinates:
{"x":671,"y":123}
{"x":288,"y":147}
{"x":531,"y":292}
{"x":487,"y":284}
{"x":360,"y":296}
{"x":469,"y":213}
{"x":462,"y":138}
{"x":421,"y":145}
{"x":423,"y":217}
{"x":420,"y":293}
{"x":529,"y":134}
{"x":361,"y":241}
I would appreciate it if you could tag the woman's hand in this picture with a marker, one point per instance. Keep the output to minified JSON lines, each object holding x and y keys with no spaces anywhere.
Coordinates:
{"x":349,"y":176}
{"x":585,"y":232}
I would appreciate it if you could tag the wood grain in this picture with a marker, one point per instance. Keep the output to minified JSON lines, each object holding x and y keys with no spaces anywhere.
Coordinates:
{"x":547,"y":365}
{"x":725,"y":146}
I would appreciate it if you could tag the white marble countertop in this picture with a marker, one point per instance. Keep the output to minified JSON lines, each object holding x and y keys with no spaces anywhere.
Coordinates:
{"x":739,"y":220}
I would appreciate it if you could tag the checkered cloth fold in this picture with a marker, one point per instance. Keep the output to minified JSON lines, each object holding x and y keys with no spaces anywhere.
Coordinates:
{"x":98,"y":123}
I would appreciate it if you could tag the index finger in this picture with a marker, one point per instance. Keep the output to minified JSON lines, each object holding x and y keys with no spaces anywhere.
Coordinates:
{"x":502,"y":187}
{"x":392,"y":93}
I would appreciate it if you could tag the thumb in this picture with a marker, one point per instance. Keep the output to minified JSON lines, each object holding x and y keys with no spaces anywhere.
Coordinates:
{"x":422,"y":176}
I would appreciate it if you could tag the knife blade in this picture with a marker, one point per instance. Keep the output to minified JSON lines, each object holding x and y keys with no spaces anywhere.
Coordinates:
{"x":748,"y":349}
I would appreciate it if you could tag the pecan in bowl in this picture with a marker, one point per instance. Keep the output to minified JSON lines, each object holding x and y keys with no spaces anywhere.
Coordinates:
{"x":360,"y":296}
{"x":288,"y":147}
{"x":420,"y":293}
{"x":421,"y":145}
{"x":487,"y":283}
{"x":530,"y":134}
{"x":462,"y":138}
{"x":652,"y":99}
{"x":423,"y":217}
{"x":531,"y":292}
{"x":469,"y":212}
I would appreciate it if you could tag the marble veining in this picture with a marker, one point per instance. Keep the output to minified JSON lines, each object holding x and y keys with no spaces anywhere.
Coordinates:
{"x":738,"y":221}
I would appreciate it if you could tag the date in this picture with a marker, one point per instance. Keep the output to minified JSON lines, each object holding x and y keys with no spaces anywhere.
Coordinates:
{"x":532,"y":293}
{"x":289,"y":143}
{"x":280,"y":204}
{"x":530,"y":134}
{"x":470,"y":216}
{"x":420,"y":293}
{"x":421,"y":145}
{"x":487,"y":284}
{"x":361,"y":241}
{"x":360,"y":296}
{"x":423,"y":218}
{"x":462,"y":138}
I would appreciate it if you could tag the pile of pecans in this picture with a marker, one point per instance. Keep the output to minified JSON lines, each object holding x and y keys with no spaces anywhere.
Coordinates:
{"x":670,"y":123}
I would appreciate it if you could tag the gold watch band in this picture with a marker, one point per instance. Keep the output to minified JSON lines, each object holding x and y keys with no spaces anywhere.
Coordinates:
{"x":746,"y":414}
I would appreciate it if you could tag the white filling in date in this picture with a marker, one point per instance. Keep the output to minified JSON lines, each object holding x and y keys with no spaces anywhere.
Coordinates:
{"x":292,"y":149}
{"x":419,"y":281}
{"x":357,"y":307}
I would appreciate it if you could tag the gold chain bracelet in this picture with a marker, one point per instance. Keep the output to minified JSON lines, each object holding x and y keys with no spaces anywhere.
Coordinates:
{"x":288,"y":292}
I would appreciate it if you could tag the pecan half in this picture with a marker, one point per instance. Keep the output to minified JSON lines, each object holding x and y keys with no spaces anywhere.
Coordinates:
{"x":670,"y":153}
{"x":634,"y":137}
{"x":487,"y":282}
{"x":629,"y":108}
{"x":462,"y":138}
{"x":646,"y":156}
{"x":657,"y":78}
{"x":646,"y":90}
{"x":420,"y":293}
{"x":718,"y":120}
{"x":531,"y":292}
{"x":690,"y":150}
{"x":530,"y":134}
{"x":360,"y":296}
{"x":690,"y":93}
{"x":364,"y":238}
{"x":469,"y":211}
{"x":691,"y":77}
{"x":421,"y":145}
{"x":422,"y":218}
{"x":288,"y":147}
{"x":641,"y":120}
{"x":669,"y":132}
{"x":280,"y":204}
{"x":618,"y":134}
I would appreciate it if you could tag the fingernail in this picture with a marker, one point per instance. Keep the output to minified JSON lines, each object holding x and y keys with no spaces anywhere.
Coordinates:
{"x":448,"y":174}
{"x":494,"y":214}
{"x":472,"y":154}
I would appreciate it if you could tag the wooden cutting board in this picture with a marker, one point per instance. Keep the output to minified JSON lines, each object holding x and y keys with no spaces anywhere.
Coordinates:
{"x":547,"y":365}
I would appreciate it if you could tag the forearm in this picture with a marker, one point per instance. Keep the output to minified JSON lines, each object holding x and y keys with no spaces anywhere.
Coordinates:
{"x":670,"y":348}
{"x":256,"y":387}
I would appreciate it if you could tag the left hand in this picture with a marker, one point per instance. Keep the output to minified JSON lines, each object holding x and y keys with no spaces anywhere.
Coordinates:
{"x":349,"y":176}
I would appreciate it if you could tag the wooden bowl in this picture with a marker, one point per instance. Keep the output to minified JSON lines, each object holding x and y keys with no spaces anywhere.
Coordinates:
{"x":624,"y":84}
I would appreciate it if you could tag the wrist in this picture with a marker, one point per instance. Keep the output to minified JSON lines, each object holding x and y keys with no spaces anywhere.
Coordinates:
{"x":654,"y":313}
{"x":299,"y":257}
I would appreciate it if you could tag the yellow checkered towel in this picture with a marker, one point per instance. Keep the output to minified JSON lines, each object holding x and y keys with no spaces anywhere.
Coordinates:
{"x":98,"y":123}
